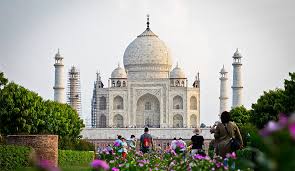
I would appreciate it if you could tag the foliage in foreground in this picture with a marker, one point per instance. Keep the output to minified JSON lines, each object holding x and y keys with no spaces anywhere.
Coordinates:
{"x":13,"y":157}
{"x":68,"y":158}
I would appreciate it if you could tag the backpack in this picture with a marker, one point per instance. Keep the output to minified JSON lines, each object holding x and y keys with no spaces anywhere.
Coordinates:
{"x":146,"y":142}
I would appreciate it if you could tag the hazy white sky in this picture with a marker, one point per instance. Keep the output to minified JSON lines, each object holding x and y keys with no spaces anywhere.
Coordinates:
{"x":202,"y":36}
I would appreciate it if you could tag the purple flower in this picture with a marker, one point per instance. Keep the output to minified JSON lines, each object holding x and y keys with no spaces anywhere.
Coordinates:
{"x":100,"y":164}
{"x":47,"y":165}
{"x":231,"y":155}
{"x":140,"y":164}
{"x":115,"y":169}
{"x":292,"y":130}
{"x":283,"y":119}
{"x":270,"y":128}
{"x":116,"y":143}
{"x":173,"y":152}
{"x":198,"y":156}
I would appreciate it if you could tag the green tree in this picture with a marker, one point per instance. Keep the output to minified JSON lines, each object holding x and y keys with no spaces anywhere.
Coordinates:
{"x":289,"y":94}
{"x":240,"y":115}
{"x":267,"y":107}
{"x":3,"y":80}
{"x":25,"y":112}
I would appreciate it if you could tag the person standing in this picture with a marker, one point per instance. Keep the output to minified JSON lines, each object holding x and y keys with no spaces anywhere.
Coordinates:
{"x":131,"y":142}
{"x":118,"y":145}
{"x":183,"y":149}
{"x":146,"y":141}
{"x":224,"y":133}
{"x":173,"y":144}
{"x":197,"y":143}
{"x":124,"y":146}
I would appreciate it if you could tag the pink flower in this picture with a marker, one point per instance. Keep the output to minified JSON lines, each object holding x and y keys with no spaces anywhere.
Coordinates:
{"x":231,"y":155}
{"x":115,"y":169}
{"x":283,"y":119}
{"x":100,"y":164}
{"x":47,"y":165}
{"x":292,"y":130}
{"x":117,"y":144}
{"x":140,"y":164}
{"x":270,"y":128}
{"x":198,"y":156}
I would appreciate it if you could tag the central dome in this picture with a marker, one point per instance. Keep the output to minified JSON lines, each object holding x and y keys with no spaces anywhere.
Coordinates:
{"x":148,"y":54}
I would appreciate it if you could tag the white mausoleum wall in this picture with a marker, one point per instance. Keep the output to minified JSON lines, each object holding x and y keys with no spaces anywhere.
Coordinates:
{"x":157,"y":133}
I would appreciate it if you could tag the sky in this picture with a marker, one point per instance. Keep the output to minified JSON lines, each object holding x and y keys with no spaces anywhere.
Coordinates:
{"x":201,"y":35}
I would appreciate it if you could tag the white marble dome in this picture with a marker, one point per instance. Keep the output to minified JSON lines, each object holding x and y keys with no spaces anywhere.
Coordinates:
{"x":177,"y":72}
{"x":119,"y":73}
{"x":147,"y":53}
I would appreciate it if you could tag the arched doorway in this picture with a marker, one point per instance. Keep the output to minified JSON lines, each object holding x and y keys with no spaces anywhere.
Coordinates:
{"x":193,"y":121}
{"x":148,"y":111}
{"x":118,"y":103}
{"x":102,"y":121}
{"x":177,"y":121}
{"x":118,"y":121}
{"x":177,"y":102}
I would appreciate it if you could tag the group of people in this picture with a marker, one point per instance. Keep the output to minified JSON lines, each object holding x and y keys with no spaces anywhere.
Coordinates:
{"x":226,"y":133}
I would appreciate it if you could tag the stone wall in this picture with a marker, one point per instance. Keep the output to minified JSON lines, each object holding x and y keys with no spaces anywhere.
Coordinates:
{"x":45,"y":146}
{"x":157,"y":133}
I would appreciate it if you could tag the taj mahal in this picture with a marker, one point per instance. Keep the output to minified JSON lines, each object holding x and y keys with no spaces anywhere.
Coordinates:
{"x":147,"y":91}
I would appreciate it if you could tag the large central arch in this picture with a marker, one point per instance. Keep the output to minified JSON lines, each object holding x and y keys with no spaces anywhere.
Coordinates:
{"x":148,"y":111}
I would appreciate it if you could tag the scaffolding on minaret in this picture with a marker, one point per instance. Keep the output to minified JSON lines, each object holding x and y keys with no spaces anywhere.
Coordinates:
{"x":94,"y":101}
{"x":74,"y":90}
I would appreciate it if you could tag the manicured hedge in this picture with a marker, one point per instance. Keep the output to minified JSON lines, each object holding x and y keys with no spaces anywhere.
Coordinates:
{"x":74,"y":158}
{"x":13,"y":157}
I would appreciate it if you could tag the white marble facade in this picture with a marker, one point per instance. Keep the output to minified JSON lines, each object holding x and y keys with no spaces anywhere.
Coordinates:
{"x":146,"y":92}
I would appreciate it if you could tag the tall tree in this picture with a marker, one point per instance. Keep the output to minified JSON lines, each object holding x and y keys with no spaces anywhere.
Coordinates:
{"x":25,"y":112}
{"x":267,"y":107}
{"x":289,"y":94}
{"x":240,"y":115}
{"x":3,"y":80}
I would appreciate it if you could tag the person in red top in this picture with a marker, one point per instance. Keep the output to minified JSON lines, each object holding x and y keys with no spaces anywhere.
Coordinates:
{"x":146,"y":141}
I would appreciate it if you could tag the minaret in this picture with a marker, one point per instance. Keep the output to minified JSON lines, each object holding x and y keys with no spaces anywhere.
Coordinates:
{"x":74,"y":92}
{"x":59,"y":86}
{"x":237,"y":86}
{"x":223,"y":91}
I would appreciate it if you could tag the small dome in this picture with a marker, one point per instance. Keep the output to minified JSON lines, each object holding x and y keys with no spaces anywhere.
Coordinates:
{"x":177,"y":72}
{"x":237,"y":54}
{"x":119,"y":73}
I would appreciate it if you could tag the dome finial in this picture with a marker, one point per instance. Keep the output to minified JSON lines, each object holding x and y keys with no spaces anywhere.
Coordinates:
{"x":148,"y":21}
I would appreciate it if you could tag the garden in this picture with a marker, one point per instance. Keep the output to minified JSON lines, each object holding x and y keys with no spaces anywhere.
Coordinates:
{"x":268,"y":131}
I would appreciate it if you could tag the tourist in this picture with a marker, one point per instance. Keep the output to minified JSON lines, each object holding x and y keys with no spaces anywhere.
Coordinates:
{"x":109,"y":149}
{"x":131,"y":142}
{"x":173,"y":144}
{"x":125,"y":146}
{"x":183,"y":149}
{"x":118,"y":145}
{"x":197,"y":143}
{"x":225,"y":132}
{"x":146,"y":141}
{"x":168,"y":148}
{"x":159,"y":148}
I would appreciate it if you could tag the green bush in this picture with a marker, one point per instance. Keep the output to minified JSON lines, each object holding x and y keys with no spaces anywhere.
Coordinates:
{"x":13,"y":157}
{"x":77,"y":144}
{"x":74,"y":158}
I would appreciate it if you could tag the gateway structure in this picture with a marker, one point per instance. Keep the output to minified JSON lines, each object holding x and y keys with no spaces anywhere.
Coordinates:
{"x":146,"y":91}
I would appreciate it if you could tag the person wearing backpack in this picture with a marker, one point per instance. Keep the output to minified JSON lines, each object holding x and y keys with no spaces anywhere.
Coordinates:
{"x":146,"y":141}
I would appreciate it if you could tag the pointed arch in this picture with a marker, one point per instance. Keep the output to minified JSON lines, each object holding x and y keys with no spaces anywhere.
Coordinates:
{"x":118,"y":103}
{"x":193,"y":121}
{"x":177,"y":121}
{"x":177,"y":102}
{"x":102,"y":121}
{"x":102,"y":103}
{"x":193,"y":103}
{"x":118,"y":121}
